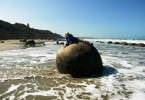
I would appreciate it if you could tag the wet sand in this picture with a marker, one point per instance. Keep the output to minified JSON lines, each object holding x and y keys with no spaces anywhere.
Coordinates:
{"x":49,"y":84}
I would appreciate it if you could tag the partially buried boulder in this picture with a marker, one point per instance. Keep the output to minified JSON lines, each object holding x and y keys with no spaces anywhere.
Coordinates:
{"x":79,"y":60}
{"x":109,"y":42}
{"x":123,"y":43}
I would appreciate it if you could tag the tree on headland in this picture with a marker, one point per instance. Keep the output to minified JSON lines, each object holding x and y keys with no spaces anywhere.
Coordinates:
{"x":28,"y":25}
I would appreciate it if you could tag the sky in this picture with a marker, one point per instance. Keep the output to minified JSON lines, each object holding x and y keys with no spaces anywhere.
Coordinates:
{"x":82,"y":18}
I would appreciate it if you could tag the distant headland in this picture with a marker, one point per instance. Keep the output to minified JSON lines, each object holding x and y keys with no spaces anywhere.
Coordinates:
{"x":22,"y":31}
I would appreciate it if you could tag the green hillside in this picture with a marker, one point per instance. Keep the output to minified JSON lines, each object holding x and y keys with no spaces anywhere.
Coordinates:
{"x":22,"y":31}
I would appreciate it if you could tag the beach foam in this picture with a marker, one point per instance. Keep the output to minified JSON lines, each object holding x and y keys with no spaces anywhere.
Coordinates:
{"x":30,"y":73}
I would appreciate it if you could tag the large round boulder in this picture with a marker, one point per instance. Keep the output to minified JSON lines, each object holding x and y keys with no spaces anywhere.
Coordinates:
{"x":79,"y":60}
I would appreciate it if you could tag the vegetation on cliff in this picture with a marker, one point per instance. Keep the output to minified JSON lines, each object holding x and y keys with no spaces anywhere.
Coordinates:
{"x":21,"y":31}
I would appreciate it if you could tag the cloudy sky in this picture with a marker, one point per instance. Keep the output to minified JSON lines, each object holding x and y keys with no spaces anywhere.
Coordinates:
{"x":83,"y":18}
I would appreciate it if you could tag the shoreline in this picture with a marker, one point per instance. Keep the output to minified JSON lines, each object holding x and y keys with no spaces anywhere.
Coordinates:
{"x":15,"y":44}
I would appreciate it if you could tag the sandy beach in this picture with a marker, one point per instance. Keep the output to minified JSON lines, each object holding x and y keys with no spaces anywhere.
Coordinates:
{"x":15,"y":44}
{"x":11,"y":45}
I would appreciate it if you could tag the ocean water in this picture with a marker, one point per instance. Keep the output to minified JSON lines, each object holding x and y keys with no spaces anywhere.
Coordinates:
{"x":31,"y":74}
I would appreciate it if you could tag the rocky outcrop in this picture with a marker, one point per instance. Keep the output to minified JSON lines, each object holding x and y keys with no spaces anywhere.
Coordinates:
{"x":79,"y":60}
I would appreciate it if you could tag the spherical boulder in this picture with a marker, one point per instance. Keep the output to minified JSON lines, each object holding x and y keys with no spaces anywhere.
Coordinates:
{"x":79,"y":60}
